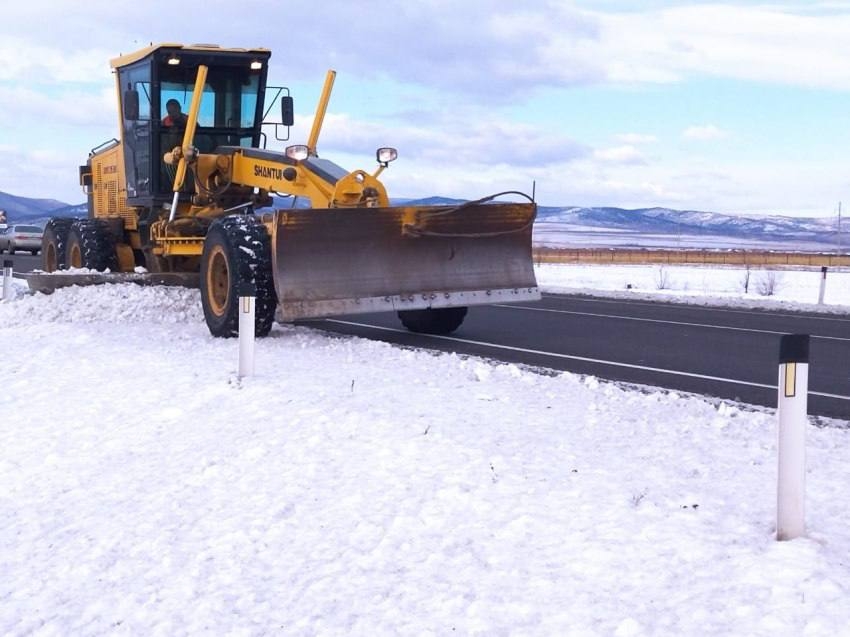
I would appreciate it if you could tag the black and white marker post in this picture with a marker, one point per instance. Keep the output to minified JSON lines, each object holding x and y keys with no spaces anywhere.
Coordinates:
{"x":7,"y":279}
{"x":793,"y":407}
{"x":247,"y":312}
{"x":822,"y":290}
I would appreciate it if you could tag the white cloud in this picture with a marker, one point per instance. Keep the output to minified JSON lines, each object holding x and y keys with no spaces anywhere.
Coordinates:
{"x":636,"y":138}
{"x":486,"y":47}
{"x":763,"y":43}
{"x":469,"y":59}
{"x":496,"y":49}
{"x":450,"y":140}
{"x":620,"y":155}
{"x":41,"y":172}
{"x":22,"y":60}
{"x":705,"y":132}
{"x":33,"y":107}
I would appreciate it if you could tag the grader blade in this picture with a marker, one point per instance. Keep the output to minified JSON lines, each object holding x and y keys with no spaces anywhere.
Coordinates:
{"x":354,"y":260}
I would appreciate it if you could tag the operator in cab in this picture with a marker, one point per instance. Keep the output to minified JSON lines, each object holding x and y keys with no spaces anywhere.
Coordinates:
{"x":176,"y":118}
{"x":173,"y":128}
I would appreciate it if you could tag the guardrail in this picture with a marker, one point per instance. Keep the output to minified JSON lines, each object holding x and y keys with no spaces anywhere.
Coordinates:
{"x":645,"y":256}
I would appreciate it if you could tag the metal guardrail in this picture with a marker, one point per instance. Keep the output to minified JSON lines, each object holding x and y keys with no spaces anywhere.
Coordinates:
{"x":649,"y":256}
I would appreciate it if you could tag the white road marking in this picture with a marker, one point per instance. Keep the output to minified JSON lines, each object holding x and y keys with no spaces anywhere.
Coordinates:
{"x":694,"y":306}
{"x":666,"y":321}
{"x":583,"y":359}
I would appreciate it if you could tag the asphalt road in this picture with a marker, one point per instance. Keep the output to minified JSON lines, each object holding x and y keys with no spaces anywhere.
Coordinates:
{"x":22,"y":261}
{"x":723,"y":352}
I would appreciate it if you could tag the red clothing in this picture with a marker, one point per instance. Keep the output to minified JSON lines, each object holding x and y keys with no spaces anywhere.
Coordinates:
{"x":179,"y":120}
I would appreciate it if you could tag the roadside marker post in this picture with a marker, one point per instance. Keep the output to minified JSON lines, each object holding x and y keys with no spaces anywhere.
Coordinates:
{"x":822,"y":285}
{"x":7,"y":279}
{"x":793,"y":416}
{"x":247,"y":311}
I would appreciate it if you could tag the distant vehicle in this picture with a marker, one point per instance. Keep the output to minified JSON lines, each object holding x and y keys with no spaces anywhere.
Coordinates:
{"x":18,"y":237}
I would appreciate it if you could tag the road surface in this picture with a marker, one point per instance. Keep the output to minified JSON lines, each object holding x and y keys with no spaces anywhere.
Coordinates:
{"x":23,"y":262}
{"x":723,"y":352}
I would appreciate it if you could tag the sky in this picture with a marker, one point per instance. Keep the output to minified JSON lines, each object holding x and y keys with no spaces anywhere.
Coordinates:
{"x":352,"y":487}
{"x":730,"y":107}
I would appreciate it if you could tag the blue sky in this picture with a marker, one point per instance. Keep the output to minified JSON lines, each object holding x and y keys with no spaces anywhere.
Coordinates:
{"x":736,"y":107}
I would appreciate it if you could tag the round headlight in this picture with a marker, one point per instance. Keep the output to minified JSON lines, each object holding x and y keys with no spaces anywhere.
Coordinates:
{"x":298,"y":152}
{"x":386,"y":155}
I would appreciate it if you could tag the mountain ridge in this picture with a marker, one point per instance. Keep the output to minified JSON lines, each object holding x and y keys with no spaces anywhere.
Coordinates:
{"x":556,"y":220}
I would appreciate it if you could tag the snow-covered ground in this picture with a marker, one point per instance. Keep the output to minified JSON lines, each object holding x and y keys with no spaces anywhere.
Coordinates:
{"x":356,"y":488}
{"x":715,"y":285}
{"x":558,"y":234}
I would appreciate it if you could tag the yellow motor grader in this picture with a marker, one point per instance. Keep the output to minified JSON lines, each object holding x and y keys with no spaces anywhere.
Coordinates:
{"x":192,"y":194}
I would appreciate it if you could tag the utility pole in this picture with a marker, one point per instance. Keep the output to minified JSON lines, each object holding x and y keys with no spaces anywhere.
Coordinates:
{"x":839,"y":235}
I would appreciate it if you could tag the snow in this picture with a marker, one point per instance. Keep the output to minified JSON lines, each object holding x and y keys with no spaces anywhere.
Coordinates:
{"x":792,"y":289}
{"x":352,"y":487}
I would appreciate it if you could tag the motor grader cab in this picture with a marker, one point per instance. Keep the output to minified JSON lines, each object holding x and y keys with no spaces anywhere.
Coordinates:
{"x":230,"y":112}
{"x":187,"y":191}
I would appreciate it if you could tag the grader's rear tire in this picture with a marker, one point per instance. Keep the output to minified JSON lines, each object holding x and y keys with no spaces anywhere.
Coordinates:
{"x":443,"y":320}
{"x":53,"y":243}
{"x":237,"y":262}
{"x":91,"y":245}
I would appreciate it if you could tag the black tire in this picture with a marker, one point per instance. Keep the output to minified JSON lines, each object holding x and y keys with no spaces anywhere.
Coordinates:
{"x":237,"y":260}
{"x":155,"y":262}
{"x":53,"y":244}
{"x":91,"y":245}
{"x":443,"y":320}
{"x":34,"y":252}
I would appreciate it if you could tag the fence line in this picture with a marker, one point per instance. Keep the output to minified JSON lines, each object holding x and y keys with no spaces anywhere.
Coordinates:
{"x":687,"y":257}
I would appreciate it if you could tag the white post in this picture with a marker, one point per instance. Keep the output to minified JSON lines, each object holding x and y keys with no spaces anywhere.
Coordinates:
{"x":247,"y":310}
{"x":7,"y":279}
{"x":822,"y":285}
{"x":792,"y":411}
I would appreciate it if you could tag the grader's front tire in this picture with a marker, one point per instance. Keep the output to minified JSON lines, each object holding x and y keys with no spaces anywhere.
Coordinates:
{"x":91,"y":245}
{"x":53,"y":243}
{"x":237,"y":261}
{"x":443,"y":320}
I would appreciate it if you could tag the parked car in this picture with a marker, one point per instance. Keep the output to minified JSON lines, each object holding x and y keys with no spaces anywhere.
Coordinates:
{"x":20,"y":237}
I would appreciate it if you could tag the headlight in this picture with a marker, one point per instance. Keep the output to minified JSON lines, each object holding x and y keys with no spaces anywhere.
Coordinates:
{"x":386,"y":155}
{"x":298,"y":152}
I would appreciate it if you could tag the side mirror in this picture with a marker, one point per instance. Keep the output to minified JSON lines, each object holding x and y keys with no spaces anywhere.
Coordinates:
{"x":131,"y":104}
{"x":386,"y":155}
{"x":287,"y":110}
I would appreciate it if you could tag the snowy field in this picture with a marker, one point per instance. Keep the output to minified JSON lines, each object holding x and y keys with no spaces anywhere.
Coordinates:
{"x":356,"y":488}
{"x":558,"y":234}
{"x":790,"y":289}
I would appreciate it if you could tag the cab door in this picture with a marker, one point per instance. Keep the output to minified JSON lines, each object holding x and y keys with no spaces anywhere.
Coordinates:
{"x":135,"y":82}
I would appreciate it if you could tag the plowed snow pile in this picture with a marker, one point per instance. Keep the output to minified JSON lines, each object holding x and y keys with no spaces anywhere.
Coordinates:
{"x":356,"y":488}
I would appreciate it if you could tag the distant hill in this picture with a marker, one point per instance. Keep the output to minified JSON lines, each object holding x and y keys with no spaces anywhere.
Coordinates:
{"x":689,"y":221}
{"x":24,"y":209}
{"x":690,"y":228}
{"x":578,"y":226}
{"x":80,"y":210}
